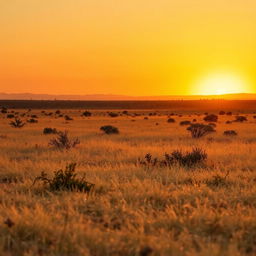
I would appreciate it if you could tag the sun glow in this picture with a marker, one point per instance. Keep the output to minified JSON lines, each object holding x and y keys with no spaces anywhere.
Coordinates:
{"x":221,"y":83}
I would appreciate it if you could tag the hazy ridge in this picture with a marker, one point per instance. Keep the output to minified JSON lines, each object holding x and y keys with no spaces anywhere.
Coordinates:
{"x":111,"y":97}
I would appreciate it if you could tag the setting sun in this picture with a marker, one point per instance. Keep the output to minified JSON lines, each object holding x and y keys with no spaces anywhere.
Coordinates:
{"x":221,"y":83}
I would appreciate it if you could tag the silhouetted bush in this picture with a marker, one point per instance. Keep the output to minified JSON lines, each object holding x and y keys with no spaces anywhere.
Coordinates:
{"x":32,"y":121}
{"x":230,"y":133}
{"x":62,"y":141}
{"x":112,"y":114}
{"x":211,"y":118}
{"x":240,"y":119}
{"x":17,"y":123}
{"x":49,"y":131}
{"x":229,"y":113}
{"x":109,"y":129}
{"x":200,"y":130}
{"x":171,"y":120}
{"x":222,"y":112}
{"x":177,"y":157}
{"x":66,"y":180}
{"x":9,"y":116}
{"x":68,"y":118}
{"x":87,"y":113}
{"x":4,"y":110}
{"x":183,"y":123}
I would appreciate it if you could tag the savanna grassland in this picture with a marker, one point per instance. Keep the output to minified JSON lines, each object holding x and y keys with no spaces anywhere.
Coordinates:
{"x":137,"y":206}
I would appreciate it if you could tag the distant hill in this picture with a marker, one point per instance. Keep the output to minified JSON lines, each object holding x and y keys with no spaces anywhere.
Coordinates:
{"x":110,"y":97}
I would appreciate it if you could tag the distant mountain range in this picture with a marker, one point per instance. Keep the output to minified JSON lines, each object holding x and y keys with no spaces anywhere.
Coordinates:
{"x":110,"y":97}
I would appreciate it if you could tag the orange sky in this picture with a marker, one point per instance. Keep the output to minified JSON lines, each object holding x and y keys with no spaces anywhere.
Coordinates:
{"x":135,"y":47}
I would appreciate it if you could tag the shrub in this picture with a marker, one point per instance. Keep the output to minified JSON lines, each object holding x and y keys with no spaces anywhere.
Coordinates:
{"x":4,"y":110}
{"x":66,"y":180}
{"x":211,"y":118}
{"x":200,"y":130}
{"x":185,"y":123}
{"x":188,"y":159}
{"x":112,"y":114}
{"x":109,"y":129}
{"x":32,"y":121}
{"x":222,"y":112}
{"x":229,"y":113}
{"x":68,"y":118}
{"x":228,"y":122}
{"x":9,"y":116}
{"x":230,"y":133}
{"x":62,"y":141}
{"x":49,"y":131}
{"x":240,"y":119}
{"x":17,"y":123}
{"x":177,"y":157}
{"x":87,"y":113}
{"x":171,"y":120}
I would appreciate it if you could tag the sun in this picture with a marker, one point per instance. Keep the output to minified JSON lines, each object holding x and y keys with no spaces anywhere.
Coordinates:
{"x":221,"y":83}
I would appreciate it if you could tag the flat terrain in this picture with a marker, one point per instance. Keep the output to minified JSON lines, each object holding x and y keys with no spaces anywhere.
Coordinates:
{"x":134,"y":209}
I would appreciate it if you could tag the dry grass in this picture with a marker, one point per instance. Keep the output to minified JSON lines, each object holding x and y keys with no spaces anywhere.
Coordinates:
{"x":132,"y":210}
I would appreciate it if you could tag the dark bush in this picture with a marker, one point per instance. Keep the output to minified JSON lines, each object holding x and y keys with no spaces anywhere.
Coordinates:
{"x":222,"y":112}
{"x":4,"y":110}
{"x":200,"y":130}
{"x":32,"y":121}
{"x":230,"y":133}
{"x":109,"y":129}
{"x":240,"y":119}
{"x":87,"y":113}
{"x":171,"y":120}
{"x":112,"y":114}
{"x":62,"y":141}
{"x":10,"y":116}
{"x":188,"y":159}
{"x":66,"y":180}
{"x":17,"y":123}
{"x":49,"y":131}
{"x":211,"y":118}
{"x":177,"y":157}
{"x":229,"y":113}
{"x":182,"y":123}
{"x":68,"y":118}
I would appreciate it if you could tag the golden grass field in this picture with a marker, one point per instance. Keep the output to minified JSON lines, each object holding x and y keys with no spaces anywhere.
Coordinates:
{"x":133,"y":210}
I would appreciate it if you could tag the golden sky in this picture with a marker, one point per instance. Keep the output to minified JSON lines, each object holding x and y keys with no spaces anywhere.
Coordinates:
{"x":135,"y":47}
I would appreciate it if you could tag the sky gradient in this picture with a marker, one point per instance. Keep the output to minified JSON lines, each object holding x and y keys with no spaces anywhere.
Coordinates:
{"x":135,"y":47}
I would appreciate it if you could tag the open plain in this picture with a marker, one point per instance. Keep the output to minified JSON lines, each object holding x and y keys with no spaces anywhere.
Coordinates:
{"x":136,"y":206}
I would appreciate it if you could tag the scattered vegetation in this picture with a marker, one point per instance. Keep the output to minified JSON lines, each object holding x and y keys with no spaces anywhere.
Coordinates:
{"x":17,"y":123}
{"x":87,"y":113}
{"x":240,"y":119}
{"x":62,"y":141}
{"x":177,"y":157}
{"x":112,"y":114}
{"x":65,"y":180}
{"x":230,"y":133}
{"x":49,"y":130}
{"x":211,"y":118}
{"x":171,"y":120}
{"x":183,"y":123}
{"x":109,"y":129}
{"x":199,"y":130}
